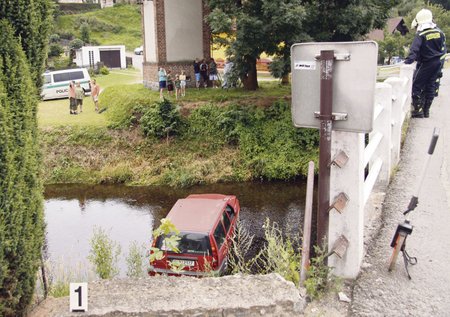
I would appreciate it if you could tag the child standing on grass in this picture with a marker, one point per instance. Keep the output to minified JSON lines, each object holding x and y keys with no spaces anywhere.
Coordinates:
{"x":79,"y":94}
{"x":177,"y":86}
{"x":183,"y":83}
{"x":169,"y":83}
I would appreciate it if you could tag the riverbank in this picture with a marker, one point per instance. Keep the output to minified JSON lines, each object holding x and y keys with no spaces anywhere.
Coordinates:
{"x":229,"y":140}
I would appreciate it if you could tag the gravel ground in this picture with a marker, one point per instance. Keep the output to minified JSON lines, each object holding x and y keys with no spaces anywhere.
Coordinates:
{"x":378,"y":292}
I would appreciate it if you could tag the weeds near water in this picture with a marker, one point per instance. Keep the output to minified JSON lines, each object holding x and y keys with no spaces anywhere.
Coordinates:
{"x":240,"y":246}
{"x":60,"y":275}
{"x":319,"y":280}
{"x":104,"y":254}
{"x":279,"y":255}
{"x":135,"y":260}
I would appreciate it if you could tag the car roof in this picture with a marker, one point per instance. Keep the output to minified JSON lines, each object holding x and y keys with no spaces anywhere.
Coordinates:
{"x":198,"y":213}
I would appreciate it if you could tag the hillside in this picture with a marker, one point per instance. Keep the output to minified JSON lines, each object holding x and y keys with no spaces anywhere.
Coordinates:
{"x":120,"y":24}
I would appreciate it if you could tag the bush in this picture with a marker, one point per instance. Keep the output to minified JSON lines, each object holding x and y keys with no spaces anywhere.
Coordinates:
{"x":85,"y":33}
{"x":162,"y":119}
{"x":104,"y":70}
{"x":66,"y":35}
{"x":104,"y":254}
{"x":135,"y":260}
{"x":55,"y":50}
{"x":54,"y":38}
{"x":76,"y":44}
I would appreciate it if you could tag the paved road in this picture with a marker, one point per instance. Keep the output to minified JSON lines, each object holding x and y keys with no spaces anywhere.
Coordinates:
{"x":380,"y":293}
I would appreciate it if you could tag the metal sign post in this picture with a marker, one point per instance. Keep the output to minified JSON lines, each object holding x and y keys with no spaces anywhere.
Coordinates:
{"x":326,"y":123}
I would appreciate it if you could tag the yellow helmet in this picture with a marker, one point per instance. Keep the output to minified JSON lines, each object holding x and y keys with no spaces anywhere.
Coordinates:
{"x":423,"y":16}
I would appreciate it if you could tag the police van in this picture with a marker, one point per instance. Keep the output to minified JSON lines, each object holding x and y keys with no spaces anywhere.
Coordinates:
{"x":56,"y":83}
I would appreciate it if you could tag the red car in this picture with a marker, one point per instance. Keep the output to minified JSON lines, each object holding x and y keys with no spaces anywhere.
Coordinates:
{"x":206,"y":223}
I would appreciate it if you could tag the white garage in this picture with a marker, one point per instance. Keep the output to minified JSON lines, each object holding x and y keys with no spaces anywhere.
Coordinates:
{"x":112,"y":56}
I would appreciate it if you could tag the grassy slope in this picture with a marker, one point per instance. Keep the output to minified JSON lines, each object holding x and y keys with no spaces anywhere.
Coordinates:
{"x":127,"y":17}
{"x":81,"y":149}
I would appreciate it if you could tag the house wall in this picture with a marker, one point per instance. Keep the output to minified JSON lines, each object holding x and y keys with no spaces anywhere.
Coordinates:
{"x":184,"y":30}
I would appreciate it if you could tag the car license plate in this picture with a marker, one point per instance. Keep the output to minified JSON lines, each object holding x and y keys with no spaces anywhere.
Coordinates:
{"x":185,"y":262}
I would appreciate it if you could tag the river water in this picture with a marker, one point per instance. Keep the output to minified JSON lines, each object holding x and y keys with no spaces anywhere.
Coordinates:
{"x":127,"y":214}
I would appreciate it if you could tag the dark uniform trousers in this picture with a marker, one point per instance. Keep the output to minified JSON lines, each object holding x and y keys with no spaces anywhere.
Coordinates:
{"x":425,"y":77}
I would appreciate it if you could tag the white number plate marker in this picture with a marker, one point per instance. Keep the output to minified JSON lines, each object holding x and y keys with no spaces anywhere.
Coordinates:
{"x":78,"y":297}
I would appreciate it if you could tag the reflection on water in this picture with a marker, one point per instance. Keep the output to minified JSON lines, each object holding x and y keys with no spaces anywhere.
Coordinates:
{"x":129,"y":213}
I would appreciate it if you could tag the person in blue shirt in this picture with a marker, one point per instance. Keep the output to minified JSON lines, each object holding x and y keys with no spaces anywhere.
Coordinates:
{"x":162,"y":77}
{"x":428,"y":50}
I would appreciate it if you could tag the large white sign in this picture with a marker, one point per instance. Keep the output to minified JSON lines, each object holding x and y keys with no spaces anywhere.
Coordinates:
{"x":354,"y":77}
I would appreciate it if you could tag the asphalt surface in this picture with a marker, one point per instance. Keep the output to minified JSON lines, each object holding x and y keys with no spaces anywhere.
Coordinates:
{"x":381,"y":293}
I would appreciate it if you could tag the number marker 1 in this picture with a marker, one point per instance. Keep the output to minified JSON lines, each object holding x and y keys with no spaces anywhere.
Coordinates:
{"x":78,"y":297}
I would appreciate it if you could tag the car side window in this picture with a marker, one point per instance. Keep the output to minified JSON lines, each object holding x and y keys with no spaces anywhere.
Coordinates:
{"x":47,"y":79}
{"x":219,"y":235}
{"x":226,"y":221}
{"x":230,"y":212}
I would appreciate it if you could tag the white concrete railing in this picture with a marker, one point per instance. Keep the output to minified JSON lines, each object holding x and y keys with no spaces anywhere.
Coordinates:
{"x":380,"y":155}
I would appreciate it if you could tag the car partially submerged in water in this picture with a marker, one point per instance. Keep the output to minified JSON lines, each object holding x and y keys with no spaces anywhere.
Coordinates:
{"x":206,"y":224}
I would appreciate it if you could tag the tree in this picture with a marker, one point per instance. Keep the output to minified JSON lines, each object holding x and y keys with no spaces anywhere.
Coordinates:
{"x":392,"y":45}
{"x":85,"y":33}
{"x":339,"y":20}
{"x":249,"y":28}
{"x":31,"y":21}
{"x":21,"y":209}
{"x":252,"y":27}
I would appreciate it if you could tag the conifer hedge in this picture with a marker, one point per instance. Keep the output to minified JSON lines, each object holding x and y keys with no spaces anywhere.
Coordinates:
{"x":21,"y":208}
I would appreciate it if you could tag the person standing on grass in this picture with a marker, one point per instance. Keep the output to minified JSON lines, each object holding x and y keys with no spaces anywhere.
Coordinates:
{"x":213,"y":73}
{"x":183,"y":83}
{"x":162,"y":75}
{"x":177,"y":86}
{"x":72,"y":100}
{"x":204,"y":73}
{"x":95,"y":91}
{"x":197,"y":73}
{"x":79,"y":95}
{"x":169,"y":83}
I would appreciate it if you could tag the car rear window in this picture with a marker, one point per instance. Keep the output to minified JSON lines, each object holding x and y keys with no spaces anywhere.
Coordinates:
{"x":192,"y":243}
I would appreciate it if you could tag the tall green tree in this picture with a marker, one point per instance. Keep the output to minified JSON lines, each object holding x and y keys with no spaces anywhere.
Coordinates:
{"x":254,"y":27}
{"x":31,"y":21}
{"x":21,"y":210}
{"x":347,"y":20}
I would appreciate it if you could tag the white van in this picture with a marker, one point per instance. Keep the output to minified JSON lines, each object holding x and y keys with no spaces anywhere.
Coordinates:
{"x":56,"y":83}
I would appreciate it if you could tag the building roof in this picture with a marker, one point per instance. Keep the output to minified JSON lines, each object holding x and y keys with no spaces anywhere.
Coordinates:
{"x":392,"y":25}
{"x":198,"y":213}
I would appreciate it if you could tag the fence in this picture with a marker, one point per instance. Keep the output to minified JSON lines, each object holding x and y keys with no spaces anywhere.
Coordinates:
{"x":369,"y":165}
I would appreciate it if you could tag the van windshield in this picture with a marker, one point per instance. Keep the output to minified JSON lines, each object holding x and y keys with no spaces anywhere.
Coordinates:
{"x":73,"y":75}
{"x":192,"y":243}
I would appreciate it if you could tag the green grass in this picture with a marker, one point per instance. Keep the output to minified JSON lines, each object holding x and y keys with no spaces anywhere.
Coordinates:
{"x":125,"y":18}
{"x":54,"y":113}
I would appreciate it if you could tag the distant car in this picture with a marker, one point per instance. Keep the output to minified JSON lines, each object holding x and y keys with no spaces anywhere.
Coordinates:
{"x":139,"y":50}
{"x":207,"y":223}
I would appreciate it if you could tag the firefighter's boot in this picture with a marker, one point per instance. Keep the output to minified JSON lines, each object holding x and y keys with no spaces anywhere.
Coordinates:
{"x":426,"y":107}
{"x":417,"y":111}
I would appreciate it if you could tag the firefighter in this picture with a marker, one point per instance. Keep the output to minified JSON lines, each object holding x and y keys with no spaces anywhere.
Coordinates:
{"x":428,"y":49}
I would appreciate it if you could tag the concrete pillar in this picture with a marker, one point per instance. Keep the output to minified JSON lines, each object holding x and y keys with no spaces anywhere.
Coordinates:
{"x":407,"y":71}
{"x":175,"y":33}
{"x":350,"y":180}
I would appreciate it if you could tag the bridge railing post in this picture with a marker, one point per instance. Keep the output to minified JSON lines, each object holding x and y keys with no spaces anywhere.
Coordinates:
{"x":350,"y":180}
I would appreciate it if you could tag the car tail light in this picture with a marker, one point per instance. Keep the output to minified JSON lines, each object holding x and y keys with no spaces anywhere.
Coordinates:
{"x":215,"y":256}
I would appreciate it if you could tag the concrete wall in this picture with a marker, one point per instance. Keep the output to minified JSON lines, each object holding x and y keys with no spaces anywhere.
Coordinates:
{"x":184,"y":29}
{"x":149,"y":24}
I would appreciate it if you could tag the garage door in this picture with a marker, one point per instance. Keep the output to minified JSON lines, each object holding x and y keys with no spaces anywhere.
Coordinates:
{"x":110,"y":58}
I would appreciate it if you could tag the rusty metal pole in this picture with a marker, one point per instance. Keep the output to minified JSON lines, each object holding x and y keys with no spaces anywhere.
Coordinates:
{"x":326,"y":107}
